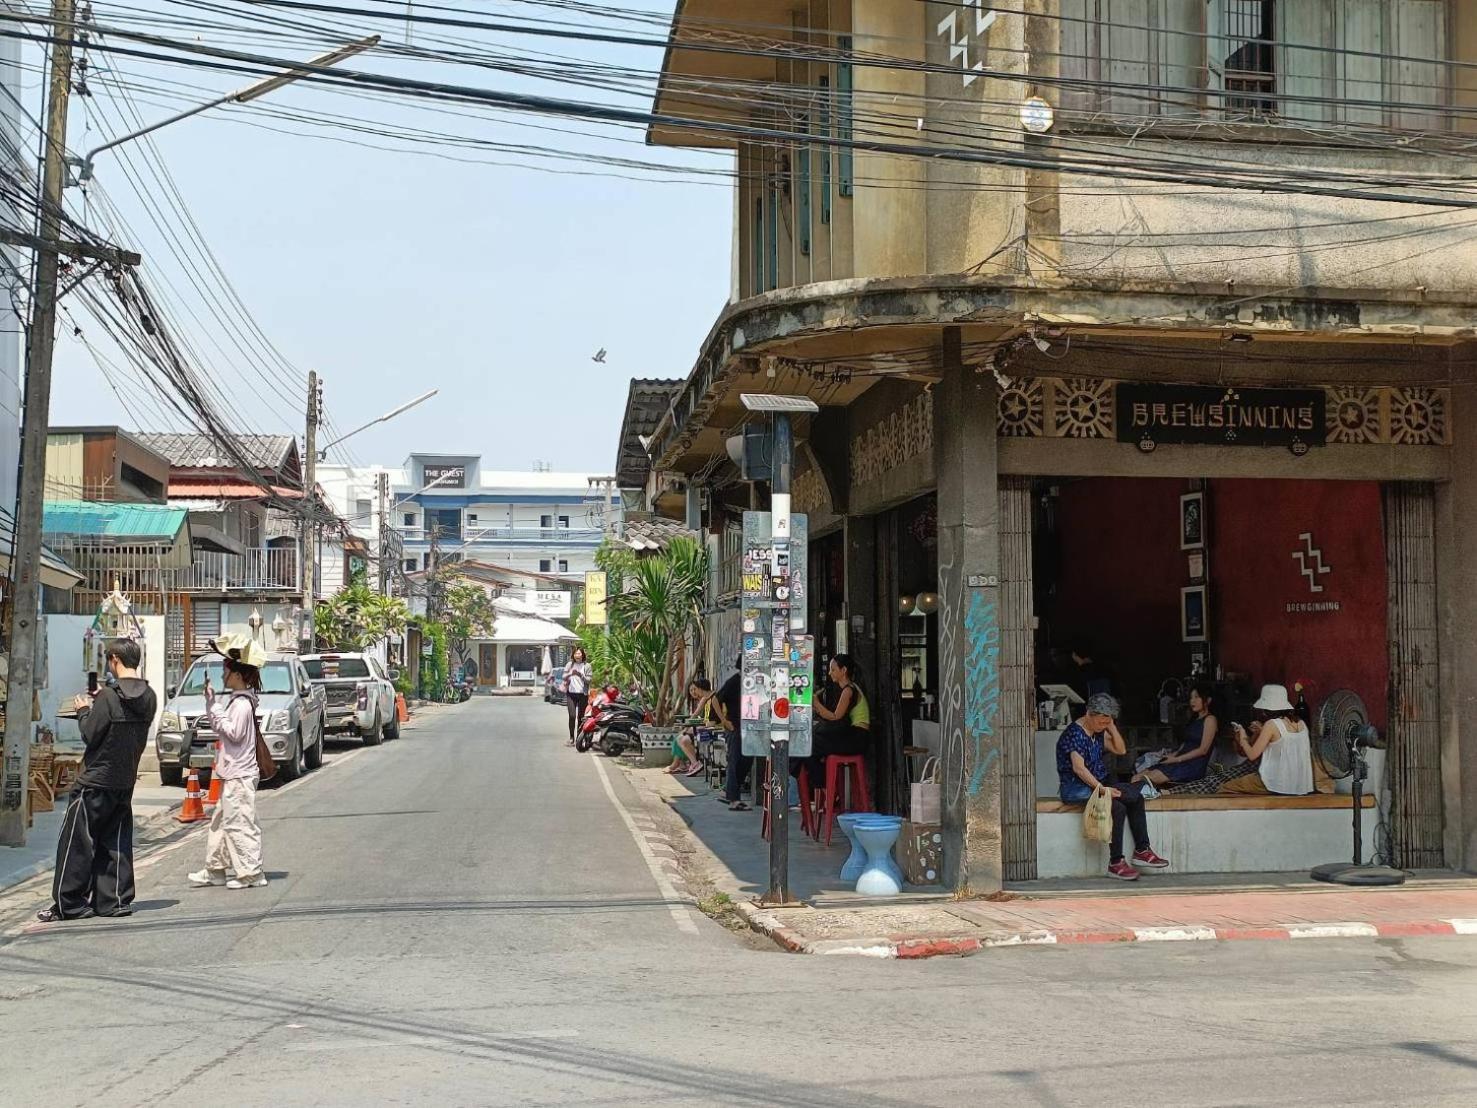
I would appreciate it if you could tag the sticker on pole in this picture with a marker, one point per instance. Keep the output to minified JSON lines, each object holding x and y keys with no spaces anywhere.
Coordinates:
{"x":782,"y":708}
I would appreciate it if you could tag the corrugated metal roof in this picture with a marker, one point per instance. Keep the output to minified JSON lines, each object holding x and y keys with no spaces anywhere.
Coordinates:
{"x":55,"y":572}
{"x":238,"y":490}
{"x":203,"y":452}
{"x":125,"y":522}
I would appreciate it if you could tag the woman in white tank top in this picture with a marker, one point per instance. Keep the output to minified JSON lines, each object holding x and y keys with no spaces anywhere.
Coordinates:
{"x":1281,"y":752}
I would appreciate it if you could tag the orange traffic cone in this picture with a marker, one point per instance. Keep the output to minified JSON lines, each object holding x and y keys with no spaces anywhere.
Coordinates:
{"x":213,"y":796}
{"x":402,"y":713}
{"x":193,"y":811}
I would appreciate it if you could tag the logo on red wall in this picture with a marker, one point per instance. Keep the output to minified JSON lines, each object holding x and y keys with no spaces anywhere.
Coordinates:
{"x":1312,"y":566}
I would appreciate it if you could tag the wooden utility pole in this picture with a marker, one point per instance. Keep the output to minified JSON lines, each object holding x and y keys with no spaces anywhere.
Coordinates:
{"x":25,"y":554}
{"x":382,"y":488}
{"x":310,"y":507}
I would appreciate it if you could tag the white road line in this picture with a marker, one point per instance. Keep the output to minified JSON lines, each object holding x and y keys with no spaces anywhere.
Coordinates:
{"x":1172,"y":934}
{"x":1464,"y":926}
{"x":679,"y":911}
{"x":1333,"y":931}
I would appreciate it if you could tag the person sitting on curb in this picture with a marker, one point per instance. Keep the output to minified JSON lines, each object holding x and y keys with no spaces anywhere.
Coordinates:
{"x":1082,"y":769}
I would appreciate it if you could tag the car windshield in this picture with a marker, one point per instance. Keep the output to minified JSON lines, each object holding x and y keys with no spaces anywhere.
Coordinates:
{"x":276,"y":677}
{"x":320,"y":668}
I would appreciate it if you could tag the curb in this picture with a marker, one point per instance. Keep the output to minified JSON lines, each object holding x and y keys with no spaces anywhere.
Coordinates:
{"x":959,"y":946}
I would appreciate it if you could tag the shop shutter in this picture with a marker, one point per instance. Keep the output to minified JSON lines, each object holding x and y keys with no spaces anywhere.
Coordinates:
{"x":1413,"y":759}
{"x":1017,"y":719}
{"x":205,"y":624}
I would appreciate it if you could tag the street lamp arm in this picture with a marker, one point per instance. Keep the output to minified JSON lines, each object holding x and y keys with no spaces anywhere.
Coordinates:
{"x":323,"y":450}
{"x":240,"y":96}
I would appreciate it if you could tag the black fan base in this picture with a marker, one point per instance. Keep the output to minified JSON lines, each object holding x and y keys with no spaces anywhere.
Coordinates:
{"x":1343,"y":873}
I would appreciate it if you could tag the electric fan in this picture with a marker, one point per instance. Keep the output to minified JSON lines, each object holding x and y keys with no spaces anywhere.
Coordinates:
{"x":1344,"y":734}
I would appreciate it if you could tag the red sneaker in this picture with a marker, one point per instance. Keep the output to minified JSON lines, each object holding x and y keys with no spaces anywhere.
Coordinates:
{"x":1147,"y":859}
{"x":1123,"y":871}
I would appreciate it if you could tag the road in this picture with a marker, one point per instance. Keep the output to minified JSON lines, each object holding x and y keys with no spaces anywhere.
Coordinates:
{"x":463,"y":917}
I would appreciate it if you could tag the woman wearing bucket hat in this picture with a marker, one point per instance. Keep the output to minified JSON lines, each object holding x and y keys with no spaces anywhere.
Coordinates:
{"x":1278,"y":752}
{"x":234,"y":843}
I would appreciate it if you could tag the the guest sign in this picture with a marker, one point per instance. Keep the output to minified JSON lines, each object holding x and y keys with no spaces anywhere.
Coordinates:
{"x":1212,"y":415}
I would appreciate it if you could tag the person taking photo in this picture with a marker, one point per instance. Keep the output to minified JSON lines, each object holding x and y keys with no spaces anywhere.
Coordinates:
{"x":94,"y":853}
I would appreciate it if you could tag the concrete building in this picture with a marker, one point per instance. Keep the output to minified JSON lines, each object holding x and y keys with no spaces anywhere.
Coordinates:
{"x":549,"y":523}
{"x":1164,"y":341}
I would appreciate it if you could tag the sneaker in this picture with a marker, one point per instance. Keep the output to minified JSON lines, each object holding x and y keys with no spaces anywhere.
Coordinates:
{"x":1122,"y":871}
{"x":257,"y":882}
{"x":204,"y":878}
{"x":1147,"y":859}
{"x":52,"y":915}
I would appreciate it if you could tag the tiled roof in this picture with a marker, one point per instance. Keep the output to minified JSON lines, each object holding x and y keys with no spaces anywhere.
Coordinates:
{"x":646,"y":403}
{"x":203,"y":452}
{"x":655,"y":533}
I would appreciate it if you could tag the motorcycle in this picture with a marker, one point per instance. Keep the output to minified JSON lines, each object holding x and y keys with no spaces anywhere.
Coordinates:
{"x":589,"y":724}
{"x":617,"y":726}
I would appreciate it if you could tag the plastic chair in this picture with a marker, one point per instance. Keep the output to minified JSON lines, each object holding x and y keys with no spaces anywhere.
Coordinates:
{"x":836,"y":765}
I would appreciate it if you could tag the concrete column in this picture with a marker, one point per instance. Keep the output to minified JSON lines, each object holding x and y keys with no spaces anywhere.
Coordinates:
{"x":1456,"y":585}
{"x":965,"y":405}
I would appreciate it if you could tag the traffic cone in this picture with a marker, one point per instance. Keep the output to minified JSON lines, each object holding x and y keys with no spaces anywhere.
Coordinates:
{"x":193,"y":811}
{"x":213,"y":796}
{"x":402,"y":713}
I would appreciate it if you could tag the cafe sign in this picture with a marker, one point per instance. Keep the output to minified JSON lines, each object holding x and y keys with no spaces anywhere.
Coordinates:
{"x":1149,"y":415}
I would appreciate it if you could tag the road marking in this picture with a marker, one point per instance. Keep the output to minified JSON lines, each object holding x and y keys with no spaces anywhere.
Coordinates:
{"x":1464,"y":926}
{"x":1172,"y":934}
{"x":425,"y":1040}
{"x":679,"y":911}
{"x":1333,"y":931}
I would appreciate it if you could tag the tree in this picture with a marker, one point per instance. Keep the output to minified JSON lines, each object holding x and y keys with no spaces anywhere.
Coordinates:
{"x":464,"y":609}
{"x":657,"y":616}
{"x":356,"y":617}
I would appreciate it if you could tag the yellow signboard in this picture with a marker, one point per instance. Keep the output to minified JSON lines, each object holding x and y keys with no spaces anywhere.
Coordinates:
{"x":595,"y":598}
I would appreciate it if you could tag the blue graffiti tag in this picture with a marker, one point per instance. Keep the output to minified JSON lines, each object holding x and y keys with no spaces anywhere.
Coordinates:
{"x":981,"y":682}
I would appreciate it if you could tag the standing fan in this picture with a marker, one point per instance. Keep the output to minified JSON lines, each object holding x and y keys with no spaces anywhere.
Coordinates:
{"x":1344,"y":734}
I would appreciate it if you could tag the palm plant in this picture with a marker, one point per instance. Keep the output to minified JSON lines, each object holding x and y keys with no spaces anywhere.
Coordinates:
{"x":657,"y":616}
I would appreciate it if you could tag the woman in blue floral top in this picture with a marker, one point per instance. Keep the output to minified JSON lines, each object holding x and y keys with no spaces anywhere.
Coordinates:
{"x":1082,"y":768}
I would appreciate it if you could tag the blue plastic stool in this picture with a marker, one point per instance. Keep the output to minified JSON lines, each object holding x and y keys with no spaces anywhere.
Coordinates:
{"x":857,"y":861}
{"x":876,"y":835}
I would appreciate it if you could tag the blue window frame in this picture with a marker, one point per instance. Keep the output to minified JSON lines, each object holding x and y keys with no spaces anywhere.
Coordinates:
{"x":802,"y":185}
{"x":845,"y":75}
{"x":825,"y":130}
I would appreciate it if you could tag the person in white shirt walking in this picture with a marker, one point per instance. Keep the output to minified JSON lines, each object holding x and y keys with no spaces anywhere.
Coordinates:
{"x":578,"y":673}
{"x":233,"y":846}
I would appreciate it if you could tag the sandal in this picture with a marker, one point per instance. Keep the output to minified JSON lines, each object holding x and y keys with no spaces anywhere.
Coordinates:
{"x":696,"y":770}
{"x":739,"y":806}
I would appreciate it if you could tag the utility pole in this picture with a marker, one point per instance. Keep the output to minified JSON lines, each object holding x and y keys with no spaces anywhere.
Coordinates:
{"x":25,"y":555}
{"x":382,"y":483}
{"x":310,"y":506}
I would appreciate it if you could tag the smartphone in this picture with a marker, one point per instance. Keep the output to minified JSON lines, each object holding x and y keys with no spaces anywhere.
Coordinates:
{"x":92,"y":684}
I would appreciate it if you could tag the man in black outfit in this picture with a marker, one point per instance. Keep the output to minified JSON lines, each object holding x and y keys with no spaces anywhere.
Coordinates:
{"x":94,"y":855}
{"x":730,"y":700}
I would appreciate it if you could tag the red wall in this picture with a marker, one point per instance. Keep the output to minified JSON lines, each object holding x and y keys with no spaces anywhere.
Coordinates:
{"x":1120,"y":577}
{"x":1122,"y":570}
{"x":1255,"y":528}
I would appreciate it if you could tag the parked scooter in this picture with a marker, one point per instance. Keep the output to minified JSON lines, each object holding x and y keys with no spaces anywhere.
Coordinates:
{"x":618,"y":725}
{"x":589,"y":725}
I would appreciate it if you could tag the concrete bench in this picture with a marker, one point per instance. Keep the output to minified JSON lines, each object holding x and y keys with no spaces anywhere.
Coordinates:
{"x":1213,"y":834}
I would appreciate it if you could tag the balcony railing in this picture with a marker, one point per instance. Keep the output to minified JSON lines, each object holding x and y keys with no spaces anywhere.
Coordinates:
{"x":473,"y":536}
{"x":270,"y":569}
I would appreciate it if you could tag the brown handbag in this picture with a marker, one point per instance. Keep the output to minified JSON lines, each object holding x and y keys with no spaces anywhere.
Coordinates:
{"x":266,"y":768}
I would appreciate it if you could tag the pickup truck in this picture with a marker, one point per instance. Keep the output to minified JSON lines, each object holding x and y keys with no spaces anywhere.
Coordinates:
{"x":360,"y":696}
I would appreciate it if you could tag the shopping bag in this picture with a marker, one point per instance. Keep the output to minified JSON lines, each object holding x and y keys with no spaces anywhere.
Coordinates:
{"x":926,"y":798}
{"x":920,"y":851}
{"x":1097,"y":817}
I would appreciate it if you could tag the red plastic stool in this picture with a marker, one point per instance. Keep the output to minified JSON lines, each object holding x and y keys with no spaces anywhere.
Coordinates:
{"x":807,"y":809}
{"x":856,"y":765}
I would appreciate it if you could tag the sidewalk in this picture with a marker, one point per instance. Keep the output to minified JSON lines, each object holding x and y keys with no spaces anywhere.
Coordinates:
{"x":833,"y":919}
{"x":153,"y":804}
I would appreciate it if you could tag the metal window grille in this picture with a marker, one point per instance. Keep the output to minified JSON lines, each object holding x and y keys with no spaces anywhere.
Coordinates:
{"x":1250,"y":62}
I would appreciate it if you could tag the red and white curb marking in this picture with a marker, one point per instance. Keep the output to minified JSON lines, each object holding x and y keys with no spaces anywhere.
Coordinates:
{"x":768,"y":924}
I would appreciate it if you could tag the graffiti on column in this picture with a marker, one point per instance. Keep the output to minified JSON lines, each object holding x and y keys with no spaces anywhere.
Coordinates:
{"x":981,"y":683}
{"x":951,"y":693}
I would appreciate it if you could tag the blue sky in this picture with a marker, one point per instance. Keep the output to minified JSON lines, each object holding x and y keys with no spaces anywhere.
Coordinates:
{"x":392,"y":273}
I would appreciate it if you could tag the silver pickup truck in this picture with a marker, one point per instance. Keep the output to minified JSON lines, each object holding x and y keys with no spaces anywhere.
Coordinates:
{"x":360,"y":696}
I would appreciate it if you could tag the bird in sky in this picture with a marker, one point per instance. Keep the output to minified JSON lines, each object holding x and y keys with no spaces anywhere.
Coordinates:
{"x":599,"y":357}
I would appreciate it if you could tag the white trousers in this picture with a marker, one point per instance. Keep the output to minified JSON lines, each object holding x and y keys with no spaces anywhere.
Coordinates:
{"x":235,"y":838}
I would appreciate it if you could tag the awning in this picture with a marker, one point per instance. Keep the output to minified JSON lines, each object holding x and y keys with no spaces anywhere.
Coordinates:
{"x":510,"y":630}
{"x":128,"y":525}
{"x":213,"y":539}
{"x":55,"y":573}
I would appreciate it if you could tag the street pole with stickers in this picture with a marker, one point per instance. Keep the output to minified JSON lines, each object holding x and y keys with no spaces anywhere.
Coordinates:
{"x":778,"y":657}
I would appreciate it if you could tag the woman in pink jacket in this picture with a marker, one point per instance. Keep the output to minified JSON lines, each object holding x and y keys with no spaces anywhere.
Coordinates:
{"x":234,"y":843}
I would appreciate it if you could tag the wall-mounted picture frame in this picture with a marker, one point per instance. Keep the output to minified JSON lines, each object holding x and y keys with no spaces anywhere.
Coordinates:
{"x":1196,"y":565}
{"x":1192,"y":521}
{"x":1194,"y":615}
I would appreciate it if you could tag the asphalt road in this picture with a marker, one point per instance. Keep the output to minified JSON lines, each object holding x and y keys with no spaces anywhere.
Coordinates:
{"x":464,"y":918}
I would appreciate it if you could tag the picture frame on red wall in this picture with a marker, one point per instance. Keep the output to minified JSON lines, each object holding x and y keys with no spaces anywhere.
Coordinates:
{"x":1194,"y":614}
{"x":1192,"y":521}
